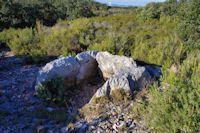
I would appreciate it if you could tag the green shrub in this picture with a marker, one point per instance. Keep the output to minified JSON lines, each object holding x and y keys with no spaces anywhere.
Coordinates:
{"x":174,"y":107}
{"x":25,"y":41}
{"x":169,"y":8}
{"x":53,"y":90}
{"x":7,"y":35}
{"x":18,"y":40}
{"x":151,"y":11}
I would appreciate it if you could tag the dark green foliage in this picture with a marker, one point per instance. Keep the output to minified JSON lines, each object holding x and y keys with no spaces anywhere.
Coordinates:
{"x":151,"y":10}
{"x":78,"y":8}
{"x":187,"y":14}
{"x":53,"y":90}
{"x":156,"y":10}
{"x":174,"y":107}
{"x":36,"y":59}
{"x":169,"y":8}
{"x":20,"y":13}
{"x":172,"y":1}
{"x":188,"y":28}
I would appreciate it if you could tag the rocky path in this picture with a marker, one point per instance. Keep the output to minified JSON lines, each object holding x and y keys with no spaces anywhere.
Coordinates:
{"x":16,"y":94}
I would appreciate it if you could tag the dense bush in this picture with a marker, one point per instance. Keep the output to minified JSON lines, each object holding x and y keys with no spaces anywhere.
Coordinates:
{"x":174,"y":107}
{"x":156,"y":10}
{"x":21,"y":41}
{"x":151,"y":11}
{"x":24,"y":41}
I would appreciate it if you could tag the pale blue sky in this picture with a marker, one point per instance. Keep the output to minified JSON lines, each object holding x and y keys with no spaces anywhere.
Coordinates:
{"x":129,"y":2}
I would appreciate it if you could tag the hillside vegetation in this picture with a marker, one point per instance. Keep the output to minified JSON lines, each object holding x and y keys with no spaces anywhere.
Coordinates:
{"x":164,"y":34}
{"x":152,"y":41}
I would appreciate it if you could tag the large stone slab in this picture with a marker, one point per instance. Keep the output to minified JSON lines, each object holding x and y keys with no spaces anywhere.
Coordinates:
{"x":67,"y":68}
{"x":110,"y":64}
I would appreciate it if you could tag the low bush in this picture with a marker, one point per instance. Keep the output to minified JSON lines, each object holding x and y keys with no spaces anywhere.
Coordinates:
{"x":174,"y":106}
{"x":18,"y":40}
{"x":53,"y":90}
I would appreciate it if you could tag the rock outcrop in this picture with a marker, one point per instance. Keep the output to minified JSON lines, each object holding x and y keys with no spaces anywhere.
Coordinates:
{"x":73,"y":70}
{"x":127,"y":79}
{"x":121,"y":72}
{"x":110,"y":64}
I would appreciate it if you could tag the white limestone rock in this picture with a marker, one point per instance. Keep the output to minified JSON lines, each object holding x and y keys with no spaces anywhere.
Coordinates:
{"x":127,"y":79}
{"x":66,"y":67}
{"x":88,"y":66}
{"x":110,"y":64}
